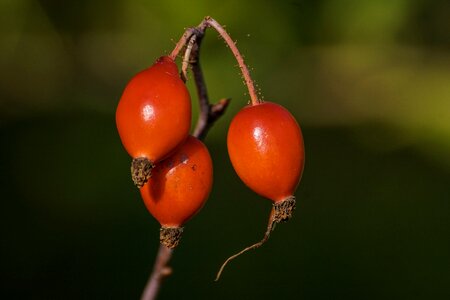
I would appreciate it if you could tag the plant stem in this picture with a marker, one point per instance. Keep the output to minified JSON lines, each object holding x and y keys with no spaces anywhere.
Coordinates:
{"x":199,"y":31}
{"x":209,"y":113}
{"x":187,"y":57}
{"x":245,"y":72}
{"x":160,"y":271}
{"x":182,"y":42}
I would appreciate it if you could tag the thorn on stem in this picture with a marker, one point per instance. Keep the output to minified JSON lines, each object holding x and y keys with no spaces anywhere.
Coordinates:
{"x":166,"y":271}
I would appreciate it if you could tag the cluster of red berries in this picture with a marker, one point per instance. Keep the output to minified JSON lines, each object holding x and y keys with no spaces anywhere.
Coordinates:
{"x":173,"y":169}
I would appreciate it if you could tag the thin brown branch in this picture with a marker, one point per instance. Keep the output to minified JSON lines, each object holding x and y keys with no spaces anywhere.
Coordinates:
{"x":182,"y":42}
{"x":160,"y":271}
{"x":187,"y":57}
{"x":209,"y":113}
{"x":199,"y":32}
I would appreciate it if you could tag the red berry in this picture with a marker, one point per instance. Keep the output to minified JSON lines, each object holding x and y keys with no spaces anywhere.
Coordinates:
{"x":153,"y":116}
{"x":266,"y":149}
{"x":178,"y":188}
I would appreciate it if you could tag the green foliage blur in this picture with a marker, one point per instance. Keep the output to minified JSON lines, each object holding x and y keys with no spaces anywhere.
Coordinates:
{"x":369,"y":82}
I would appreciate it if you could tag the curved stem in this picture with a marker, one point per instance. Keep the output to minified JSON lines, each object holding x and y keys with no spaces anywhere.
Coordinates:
{"x":187,"y":57}
{"x":245,"y":72}
{"x":182,"y":42}
{"x":281,"y":212}
{"x":199,"y":31}
{"x":270,"y":227}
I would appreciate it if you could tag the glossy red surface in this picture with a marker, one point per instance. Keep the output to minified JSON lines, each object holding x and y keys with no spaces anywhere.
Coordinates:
{"x":154,"y":112}
{"x":265,"y":145}
{"x":180,"y":184}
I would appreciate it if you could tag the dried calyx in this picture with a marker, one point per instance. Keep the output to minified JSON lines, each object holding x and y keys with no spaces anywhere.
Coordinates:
{"x":283,"y":210}
{"x":170,"y":236}
{"x":141,"y":171}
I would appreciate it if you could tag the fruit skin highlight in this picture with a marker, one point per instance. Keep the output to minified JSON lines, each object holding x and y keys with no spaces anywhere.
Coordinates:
{"x":266,"y":149}
{"x":178,"y":188}
{"x":153,"y":116}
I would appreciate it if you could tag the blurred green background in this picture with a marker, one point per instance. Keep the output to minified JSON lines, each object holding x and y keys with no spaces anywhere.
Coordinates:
{"x":369,"y":82}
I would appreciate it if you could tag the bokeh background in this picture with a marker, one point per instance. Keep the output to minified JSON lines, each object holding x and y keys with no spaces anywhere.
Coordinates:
{"x":369,"y":82}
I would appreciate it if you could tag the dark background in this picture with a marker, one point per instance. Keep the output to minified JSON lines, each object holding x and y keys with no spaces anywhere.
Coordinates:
{"x":369,"y":82}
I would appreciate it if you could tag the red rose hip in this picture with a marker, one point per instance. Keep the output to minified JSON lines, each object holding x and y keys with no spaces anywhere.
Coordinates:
{"x":266,"y":149}
{"x":178,"y":188}
{"x":153,"y":116}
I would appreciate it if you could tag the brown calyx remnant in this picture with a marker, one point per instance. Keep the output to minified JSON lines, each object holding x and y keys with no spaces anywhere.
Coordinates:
{"x":170,"y":236}
{"x":281,"y":212}
{"x":141,"y":170}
